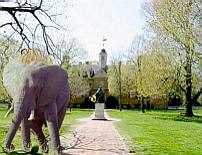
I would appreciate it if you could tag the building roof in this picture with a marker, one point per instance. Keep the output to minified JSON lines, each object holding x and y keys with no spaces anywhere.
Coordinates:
{"x":103,"y":51}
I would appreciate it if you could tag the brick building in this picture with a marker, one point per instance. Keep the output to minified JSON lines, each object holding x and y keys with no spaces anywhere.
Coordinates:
{"x":95,"y":76}
{"x":99,"y":72}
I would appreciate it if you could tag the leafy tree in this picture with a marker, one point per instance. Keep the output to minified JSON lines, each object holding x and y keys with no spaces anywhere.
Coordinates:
{"x":78,"y":84}
{"x":115,"y":80}
{"x":137,"y":48}
{"x":179,"y":22}
{"x":154,"y":74}
{"x":7,"y":49}
{"x":128,"y":79}
{"x":34,"y":54}
{"x":112,"y":81}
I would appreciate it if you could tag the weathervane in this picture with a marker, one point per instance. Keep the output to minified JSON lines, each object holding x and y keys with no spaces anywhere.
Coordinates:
{"x":104,"y":39}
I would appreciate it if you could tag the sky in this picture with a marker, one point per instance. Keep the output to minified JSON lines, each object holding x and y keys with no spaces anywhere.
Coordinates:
{"x":89,"y":21}
{"x":116,"y":20}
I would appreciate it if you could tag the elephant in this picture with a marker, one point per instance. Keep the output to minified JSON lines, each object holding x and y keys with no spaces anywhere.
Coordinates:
{"x":43,"y":89}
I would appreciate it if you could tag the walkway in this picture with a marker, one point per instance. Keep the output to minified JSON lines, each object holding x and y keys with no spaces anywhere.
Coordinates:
{"x":94,"y":137}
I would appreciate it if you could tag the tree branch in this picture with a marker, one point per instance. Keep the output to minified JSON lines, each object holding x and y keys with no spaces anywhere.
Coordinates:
{"x":24,"y":29}
{"x":196,"y":96}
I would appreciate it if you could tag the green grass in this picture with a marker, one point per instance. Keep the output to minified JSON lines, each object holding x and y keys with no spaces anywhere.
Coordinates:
{"x":160,"y":132}
{"x":69,"y":121}
{"x":72,"y":117}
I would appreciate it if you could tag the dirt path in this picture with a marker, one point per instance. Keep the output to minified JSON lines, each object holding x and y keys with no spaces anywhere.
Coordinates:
{"x":94,"y":137}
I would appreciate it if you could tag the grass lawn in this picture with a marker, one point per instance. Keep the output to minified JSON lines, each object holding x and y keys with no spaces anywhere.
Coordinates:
{"x":69,"y":121}
{"x":160,"y":132}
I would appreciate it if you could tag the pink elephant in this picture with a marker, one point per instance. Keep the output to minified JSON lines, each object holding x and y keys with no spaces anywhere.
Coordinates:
{"x":38,"y":87}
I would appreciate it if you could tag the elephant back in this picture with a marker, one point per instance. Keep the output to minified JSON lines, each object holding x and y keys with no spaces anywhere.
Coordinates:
{"x":54,"y":81}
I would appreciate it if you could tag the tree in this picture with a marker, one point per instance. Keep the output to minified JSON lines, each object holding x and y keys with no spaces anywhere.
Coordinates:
{"x":154,"y":75}
{"x":69,"y":52}
{"x":137,"y":48}
{"x":112,"y":81}
{"x":34,"y":55}
{"x":29,"y":23}
{"x":7,"y":49}
{"x":128,"y":79}
{"x":78,"y":84}
{"x":115,"y":83}
{"x":179,"y":22}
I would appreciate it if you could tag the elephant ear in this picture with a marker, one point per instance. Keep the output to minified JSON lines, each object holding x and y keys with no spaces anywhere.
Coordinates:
{"x":13,"y":76}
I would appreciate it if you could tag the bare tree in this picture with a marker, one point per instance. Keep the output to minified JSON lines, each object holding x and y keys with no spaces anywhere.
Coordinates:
{"x":137,"y":48}
{"x":69,"y":52}
{"x":29,"y":22}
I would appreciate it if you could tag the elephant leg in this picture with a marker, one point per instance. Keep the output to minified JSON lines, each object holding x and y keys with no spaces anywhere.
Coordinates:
{"x":61,"y":114}
{"x":37,"y":128}
{"x":50,"y":113}
{"x":10,"y":135}
{"x":17,"y":118}
{"x":25,"y":129}
{"x":62,"y":103}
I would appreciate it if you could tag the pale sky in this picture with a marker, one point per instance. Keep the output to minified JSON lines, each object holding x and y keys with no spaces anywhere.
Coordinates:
{"x":90,"y":20}
{"x":117,"y":20}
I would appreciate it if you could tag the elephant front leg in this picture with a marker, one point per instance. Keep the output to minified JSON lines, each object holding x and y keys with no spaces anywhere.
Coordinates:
{"x":25,"y":129}
{"x":8,"y":146}
{"x":52,"y":123}
{"x":17,"y":118}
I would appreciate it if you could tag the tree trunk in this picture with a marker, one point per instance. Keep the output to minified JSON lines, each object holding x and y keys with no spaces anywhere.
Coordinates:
{"x":189,"y":111}
{"x":120,"y":108}
{"x":196,"y":96}
{"x":142,"y":104}
{"x":148,"y":104}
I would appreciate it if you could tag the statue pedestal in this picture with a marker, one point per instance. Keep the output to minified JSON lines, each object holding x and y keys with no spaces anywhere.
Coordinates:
{"x":99,"y":111}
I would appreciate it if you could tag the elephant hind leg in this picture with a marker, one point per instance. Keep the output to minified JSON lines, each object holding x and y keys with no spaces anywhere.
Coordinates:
{"x":50,"y":113}
{"x":37,"y":128}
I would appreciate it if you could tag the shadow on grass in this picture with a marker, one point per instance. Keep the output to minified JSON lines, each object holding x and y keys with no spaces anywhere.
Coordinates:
{"x":20,"y":153}
{"x":197,"y":119}
{"x":34,"y":151}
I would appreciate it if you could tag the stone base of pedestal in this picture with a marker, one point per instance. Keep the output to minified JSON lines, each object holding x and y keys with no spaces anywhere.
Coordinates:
{"x":99,"y":111}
